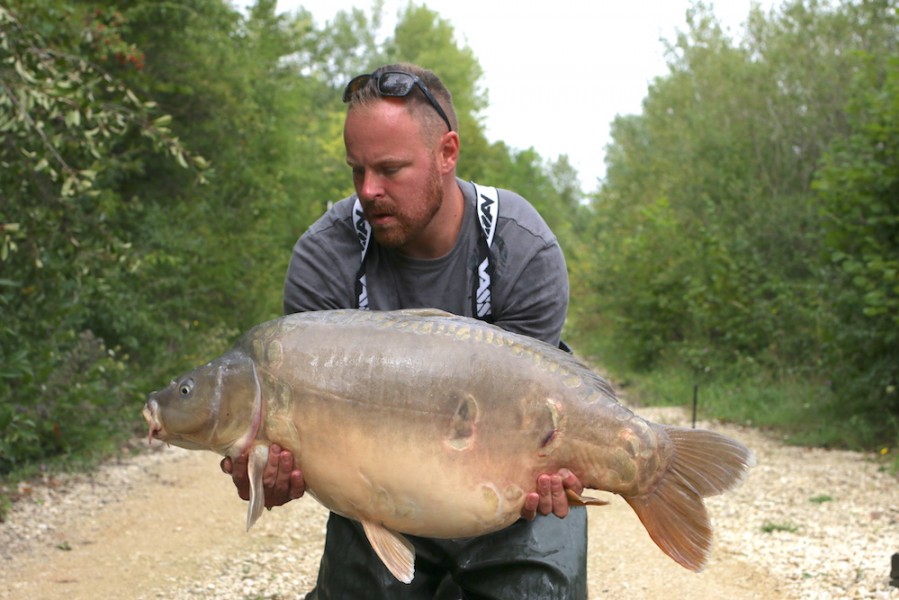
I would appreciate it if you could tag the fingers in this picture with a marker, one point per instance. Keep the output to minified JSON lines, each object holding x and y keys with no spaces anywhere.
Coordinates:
{"x":272,"y":466}
{"x":297,"y":484}
{"x":550,"y":497}
{"x":529,"y":510}
{"x":276,"y":476}
{"x":544,"y":489}
{"x":571,"y":482}
{"x":239,"y":475}
{"x":280,"y":480}
{"x":559,"y":499}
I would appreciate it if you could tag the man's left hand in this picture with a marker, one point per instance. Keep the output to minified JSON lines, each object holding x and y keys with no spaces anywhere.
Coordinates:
{"x":550,"y":496}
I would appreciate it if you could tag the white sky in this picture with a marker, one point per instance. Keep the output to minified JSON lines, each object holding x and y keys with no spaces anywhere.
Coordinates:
{"x":557,"y":73}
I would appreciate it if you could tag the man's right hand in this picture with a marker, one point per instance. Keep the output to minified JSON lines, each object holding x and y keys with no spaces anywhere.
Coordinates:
{"x":281,"y":482}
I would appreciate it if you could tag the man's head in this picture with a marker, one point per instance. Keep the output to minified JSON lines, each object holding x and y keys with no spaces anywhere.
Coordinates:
{"x":424,"y":94}
{"x":402,"y":144}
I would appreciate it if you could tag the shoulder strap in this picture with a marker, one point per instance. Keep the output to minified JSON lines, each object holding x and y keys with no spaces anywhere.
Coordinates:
{"x":487,"y":200}
{"x":363,"y":231}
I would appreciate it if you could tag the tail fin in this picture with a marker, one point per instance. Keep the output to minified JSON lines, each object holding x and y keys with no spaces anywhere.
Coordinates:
{"x":704,"y":464}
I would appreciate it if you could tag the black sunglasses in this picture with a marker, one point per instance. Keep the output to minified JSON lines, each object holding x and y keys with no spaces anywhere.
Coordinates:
{"x":396,"y":84}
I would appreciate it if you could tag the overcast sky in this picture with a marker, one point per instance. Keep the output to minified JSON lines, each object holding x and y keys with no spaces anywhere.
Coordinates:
{"x":558,"y":72}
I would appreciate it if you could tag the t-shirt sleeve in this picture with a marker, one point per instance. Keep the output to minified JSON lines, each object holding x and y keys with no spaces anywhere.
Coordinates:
{"x":536,"y":302}
{"x":322,"y":270}
{"x":532,"y":278}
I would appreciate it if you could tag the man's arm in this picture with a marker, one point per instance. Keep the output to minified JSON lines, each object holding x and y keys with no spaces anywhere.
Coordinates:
{"x":324,"y":259}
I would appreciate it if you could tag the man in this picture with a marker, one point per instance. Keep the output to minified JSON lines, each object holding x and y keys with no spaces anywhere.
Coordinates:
{"x":427,"y":251}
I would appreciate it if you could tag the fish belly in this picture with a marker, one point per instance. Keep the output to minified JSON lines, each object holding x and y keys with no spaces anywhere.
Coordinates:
{"x":408,"y":476}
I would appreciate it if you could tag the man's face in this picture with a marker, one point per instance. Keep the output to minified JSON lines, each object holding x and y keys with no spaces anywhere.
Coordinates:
{"x":395,"y":173}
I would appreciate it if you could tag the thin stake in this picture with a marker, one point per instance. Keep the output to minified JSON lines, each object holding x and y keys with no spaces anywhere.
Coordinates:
{"x":695,"y":402}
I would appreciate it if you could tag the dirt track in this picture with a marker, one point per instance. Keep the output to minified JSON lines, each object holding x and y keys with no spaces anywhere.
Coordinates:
{"x":168,"y":524}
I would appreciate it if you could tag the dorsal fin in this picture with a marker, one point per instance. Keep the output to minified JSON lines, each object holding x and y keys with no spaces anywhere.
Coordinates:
{"x":425,"y":312}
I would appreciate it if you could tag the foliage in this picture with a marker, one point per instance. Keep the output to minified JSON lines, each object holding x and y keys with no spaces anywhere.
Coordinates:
{"x":119,"y":265}
{"x":62,"y":112}
{"x":72,"y":127}
{"x":747,"y":221}
{"x":159,"y":160}
{"x":858,"y":190}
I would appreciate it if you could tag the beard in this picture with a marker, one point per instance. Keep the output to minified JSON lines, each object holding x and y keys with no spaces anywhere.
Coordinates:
{"x":409,"y":221}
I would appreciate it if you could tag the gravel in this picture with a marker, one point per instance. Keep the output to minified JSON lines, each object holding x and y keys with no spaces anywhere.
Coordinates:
{"x":807,"y":524}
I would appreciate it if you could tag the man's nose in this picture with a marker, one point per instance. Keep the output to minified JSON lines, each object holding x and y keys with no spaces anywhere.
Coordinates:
{"x":370,"y":186}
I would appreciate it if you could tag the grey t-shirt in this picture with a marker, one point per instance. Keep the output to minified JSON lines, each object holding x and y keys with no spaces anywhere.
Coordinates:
{"x":529,"y":285}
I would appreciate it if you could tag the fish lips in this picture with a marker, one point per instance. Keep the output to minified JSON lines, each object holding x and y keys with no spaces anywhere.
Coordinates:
{"x":150,"y":413}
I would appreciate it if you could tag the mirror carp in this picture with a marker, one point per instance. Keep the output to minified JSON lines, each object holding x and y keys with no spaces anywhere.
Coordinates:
{"x":425,"y":423}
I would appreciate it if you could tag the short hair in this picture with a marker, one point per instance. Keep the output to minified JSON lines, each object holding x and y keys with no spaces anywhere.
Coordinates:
{"x":416,"y":102}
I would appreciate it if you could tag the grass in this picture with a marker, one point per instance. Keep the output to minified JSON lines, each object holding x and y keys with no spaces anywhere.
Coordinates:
{"x":786,"y":527}
{"x":790,"y":407}
{"x":795,"y":407}
{"x":799,"y":411}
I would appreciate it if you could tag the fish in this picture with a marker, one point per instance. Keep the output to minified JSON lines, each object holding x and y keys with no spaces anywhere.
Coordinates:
{"x":425,"y":423}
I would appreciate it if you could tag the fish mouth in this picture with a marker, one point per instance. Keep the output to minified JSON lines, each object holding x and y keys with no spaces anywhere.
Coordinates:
{"x":150,"y":413}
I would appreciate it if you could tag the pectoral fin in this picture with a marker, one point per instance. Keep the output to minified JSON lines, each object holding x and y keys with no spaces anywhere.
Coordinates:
{"x":256,"y":464}
{"x":576,"y":499}
{"x":394,"y":550}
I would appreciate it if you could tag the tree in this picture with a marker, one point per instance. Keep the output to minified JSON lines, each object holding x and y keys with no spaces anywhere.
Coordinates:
{"x":858,"y":190}
{"x":709,"y":237}
{"x":73,"y":123}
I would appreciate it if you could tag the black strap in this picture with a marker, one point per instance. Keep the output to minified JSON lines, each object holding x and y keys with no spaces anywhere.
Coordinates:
{"x":363,"y":231}
{"x":487,"y":200}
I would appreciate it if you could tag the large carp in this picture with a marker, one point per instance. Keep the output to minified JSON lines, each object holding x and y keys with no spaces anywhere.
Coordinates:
{"x":435,"y":425}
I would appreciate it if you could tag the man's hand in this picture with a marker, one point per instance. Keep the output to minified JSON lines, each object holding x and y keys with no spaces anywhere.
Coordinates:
{"x":550,"y":496}
{"x":281,"y":482}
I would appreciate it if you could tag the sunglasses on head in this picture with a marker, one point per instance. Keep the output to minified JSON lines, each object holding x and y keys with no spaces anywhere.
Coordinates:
{"x":395,"y":84}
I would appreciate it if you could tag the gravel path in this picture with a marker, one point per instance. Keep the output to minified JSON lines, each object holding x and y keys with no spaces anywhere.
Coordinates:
{"x":808,"y":523}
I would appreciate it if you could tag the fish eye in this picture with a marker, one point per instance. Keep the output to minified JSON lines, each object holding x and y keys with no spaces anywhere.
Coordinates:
{"x":186,"y":388}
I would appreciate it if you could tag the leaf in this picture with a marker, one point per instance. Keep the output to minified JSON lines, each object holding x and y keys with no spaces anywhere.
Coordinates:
{"x":73,"y":118}
{"x":20,"y":69}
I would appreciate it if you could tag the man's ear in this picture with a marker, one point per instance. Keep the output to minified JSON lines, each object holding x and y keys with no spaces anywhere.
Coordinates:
{"x":448,"y":152}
